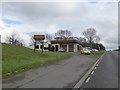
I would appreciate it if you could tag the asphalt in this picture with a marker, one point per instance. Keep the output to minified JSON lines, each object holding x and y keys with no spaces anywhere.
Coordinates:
{"x":106,"y":73}
{"x":61,"y":74}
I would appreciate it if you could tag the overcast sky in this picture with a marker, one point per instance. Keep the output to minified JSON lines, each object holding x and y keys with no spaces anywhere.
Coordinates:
{"x":28,"y":18}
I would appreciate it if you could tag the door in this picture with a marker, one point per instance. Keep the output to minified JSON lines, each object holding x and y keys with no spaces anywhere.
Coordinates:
{"x":56,"y":47}
{"x":71,"y":48}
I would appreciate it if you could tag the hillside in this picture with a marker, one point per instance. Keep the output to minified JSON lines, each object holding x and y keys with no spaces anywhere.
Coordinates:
{"x":18,"y":58}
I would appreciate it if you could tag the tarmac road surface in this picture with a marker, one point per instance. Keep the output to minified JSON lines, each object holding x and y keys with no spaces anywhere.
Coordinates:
{"x":106,"y":74}
{"x":60,"y":74}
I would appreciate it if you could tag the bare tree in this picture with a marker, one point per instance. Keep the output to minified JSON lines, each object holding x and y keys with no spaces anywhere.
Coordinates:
{"x":68,"y":34}
{"x":63,"y":34}
{"x":73,"y":38}
{"x":96,"y":39}
{"x":11,"y":38}
{"x":48,"y":37}
{"x":81,"y":39}
{"x":32,"y":41}
{"x":14,"y":38}
{"x":90,"y":34}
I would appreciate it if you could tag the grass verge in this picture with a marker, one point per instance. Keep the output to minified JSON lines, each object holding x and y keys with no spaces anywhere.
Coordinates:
{"x":17,"y":58}
{"x":97,"y":53}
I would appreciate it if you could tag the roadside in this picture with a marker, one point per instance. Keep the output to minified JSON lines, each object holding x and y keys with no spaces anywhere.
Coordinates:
{"x":97,"y":53}
{"x":16,"y":59}
{"x":60,"y":74}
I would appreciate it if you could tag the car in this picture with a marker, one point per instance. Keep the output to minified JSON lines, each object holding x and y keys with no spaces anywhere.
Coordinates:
{"x":94,"y":50}
{"x":85,"y":51}
{"x":82,"y":50}
{"x":61,"y":50}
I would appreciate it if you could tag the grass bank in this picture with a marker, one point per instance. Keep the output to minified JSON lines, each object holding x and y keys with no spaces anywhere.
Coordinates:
{"x":97,"y":53}
{"x":17,"y":58}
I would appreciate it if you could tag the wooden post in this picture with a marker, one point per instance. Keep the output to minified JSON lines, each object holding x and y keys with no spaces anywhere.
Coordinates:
{"x":34,"y":46}
{"x":42,"y":47}
{"x":39,"y":38}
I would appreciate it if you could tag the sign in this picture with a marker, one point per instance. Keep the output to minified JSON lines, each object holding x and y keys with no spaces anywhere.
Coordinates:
{"x":39,"y":37}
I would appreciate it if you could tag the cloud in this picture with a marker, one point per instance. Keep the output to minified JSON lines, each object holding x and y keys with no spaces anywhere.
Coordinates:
{"x":48,"y":17}
{"x":9,"y":22}
{"x":2,"y":26}
{"x":8,"y":31}
{"x":93,"y":1}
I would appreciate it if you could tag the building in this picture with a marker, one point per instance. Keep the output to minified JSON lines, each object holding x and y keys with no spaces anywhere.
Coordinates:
{"x":57,"y":45}
{"x":66,"y":45}
{"x":39,"y":46}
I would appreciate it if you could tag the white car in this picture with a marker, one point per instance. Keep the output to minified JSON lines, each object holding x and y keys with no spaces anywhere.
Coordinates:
{"x":61,"y":50}
{"x":94,"y":50}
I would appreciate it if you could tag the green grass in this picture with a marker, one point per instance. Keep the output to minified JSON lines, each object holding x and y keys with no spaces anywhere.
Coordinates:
{"x":17,"y":58}
{"x":97,"y":53}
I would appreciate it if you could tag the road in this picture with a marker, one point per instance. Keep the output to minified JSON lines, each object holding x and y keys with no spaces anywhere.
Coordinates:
{"x":106,"y":73}
{"x":60,"y":74}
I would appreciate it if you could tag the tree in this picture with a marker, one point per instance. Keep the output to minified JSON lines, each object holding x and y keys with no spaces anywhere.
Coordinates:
{"x":96,"y":39}
{"x":32,"y":41}
{"x":102,"y":47}
{"x":73,"y":38}
{"x":48,"y":37}
{"x":81,"y":39}
{"x":14,"y":38}
{"x":63,"y":34}
{"x":90,"y":35}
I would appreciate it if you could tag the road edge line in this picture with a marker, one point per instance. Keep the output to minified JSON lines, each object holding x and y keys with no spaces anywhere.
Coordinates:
{"x":82,"y":80}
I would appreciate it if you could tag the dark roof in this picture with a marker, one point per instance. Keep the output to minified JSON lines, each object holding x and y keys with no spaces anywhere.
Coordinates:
{"x":39,"y":37}
{"x":65,"y":41}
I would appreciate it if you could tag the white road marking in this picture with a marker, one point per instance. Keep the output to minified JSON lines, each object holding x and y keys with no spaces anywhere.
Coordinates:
{"x":82,"y":80}
{"x":87,"y":80}
{"x":97,"y":64}
{"x":95,"y":68}
{"x":92,"y":72}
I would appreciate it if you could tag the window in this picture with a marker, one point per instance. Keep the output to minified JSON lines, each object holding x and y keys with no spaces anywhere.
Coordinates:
{"x":41,"y":46}
{"x":37,"y":47}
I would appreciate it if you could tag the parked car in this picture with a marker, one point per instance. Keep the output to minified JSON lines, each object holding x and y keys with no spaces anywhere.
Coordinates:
{"x":85,"y":51}
{"x":61,"y":50}
{"x":94,"y":50}
{"x":82,"y":51}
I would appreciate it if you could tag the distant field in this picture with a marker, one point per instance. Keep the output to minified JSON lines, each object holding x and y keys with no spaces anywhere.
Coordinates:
{"x":18,"y":58}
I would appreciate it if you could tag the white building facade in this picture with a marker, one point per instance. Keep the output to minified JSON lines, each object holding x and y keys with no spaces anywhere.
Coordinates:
{"x":66,"y":45}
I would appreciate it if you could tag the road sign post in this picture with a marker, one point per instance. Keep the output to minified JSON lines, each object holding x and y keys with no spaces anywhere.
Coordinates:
{"x":39,"y":38}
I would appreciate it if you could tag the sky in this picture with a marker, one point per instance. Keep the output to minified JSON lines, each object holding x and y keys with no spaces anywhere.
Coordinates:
{"x":29,"y":18}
